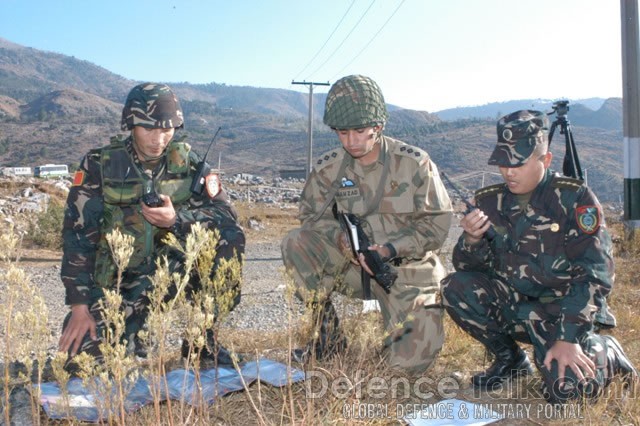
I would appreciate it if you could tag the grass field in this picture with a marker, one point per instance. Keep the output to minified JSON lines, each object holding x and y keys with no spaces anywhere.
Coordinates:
{"x":355,"y":387}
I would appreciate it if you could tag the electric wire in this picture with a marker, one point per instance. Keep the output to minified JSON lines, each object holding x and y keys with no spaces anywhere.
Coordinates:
{"x":345,"y":39}
{"x":327,"y":41}
{"x":369,"y":42}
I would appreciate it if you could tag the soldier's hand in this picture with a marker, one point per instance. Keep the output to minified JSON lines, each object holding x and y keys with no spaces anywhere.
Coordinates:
{"x":383,"y":252}
{"x":570,"y":355}
{"x":163,"y":216}
{"x":475,"y":224}
{"x":80,"y":322}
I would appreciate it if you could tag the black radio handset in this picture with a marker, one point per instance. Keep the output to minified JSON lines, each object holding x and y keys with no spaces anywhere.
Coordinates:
{"x":491,"y":232}
{"x":198,"y":180}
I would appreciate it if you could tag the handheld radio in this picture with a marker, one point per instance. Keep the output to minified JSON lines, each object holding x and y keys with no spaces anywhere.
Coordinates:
{"x":198,"y":180}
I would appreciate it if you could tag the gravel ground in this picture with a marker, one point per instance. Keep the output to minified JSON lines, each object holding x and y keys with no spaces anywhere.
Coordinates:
{"x":263,"y":306}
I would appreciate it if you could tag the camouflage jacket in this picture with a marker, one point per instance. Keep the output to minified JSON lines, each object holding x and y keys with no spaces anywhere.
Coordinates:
{"x":414,"y":213}
{"x":106,"y":194}
{"x":556,"y":253}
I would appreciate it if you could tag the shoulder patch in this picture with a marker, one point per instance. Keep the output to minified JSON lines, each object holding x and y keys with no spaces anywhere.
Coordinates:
{"x":588,"y":218}
{"x":213,"y":185}
{"x":489,"y":190}
{"x":410,"y":151}
{"x":78,"y":178}
{"x":566,"y":183}
{"x":328,"y":158}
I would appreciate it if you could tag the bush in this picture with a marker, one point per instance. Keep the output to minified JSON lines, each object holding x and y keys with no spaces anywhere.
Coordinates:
{"x":45,"y":230}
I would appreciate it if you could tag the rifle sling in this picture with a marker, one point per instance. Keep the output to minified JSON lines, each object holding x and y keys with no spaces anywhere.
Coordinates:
{"x":365,"y":279}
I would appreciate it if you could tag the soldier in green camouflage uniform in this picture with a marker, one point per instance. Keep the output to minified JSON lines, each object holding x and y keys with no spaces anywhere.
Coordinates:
{"x":395,"y":189}
{"x":535,"y":265}
{"x":106,"y":194}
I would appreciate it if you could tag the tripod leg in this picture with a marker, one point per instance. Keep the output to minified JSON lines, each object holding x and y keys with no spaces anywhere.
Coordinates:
{"x":571,"y":165}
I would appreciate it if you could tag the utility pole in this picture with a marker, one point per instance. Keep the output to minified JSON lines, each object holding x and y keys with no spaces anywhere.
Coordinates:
{"x":630,"y":113}
{"x":310,"y":127}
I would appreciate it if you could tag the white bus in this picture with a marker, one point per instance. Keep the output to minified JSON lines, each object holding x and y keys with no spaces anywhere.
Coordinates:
{"x":51,"y":170}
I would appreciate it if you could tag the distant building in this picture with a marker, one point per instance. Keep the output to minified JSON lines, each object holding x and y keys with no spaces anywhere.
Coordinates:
{"x":246,"y":178}
{"x":293,"y":174}
{"x":16,"y":171}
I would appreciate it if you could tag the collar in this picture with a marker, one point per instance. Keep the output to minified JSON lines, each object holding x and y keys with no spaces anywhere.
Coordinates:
{"x":152,"y":166}
{"x":537,"y":199}
{"x":383,"y":154}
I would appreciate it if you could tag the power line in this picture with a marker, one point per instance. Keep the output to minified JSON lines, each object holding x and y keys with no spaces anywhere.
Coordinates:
{"x":369,"y":42}
{"x":345,"y":39}
{"x":327,"y":41}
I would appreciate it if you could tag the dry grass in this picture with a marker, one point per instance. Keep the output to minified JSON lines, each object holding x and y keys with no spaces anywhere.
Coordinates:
{"x":273,"y":220}
{"x":359,"y":378}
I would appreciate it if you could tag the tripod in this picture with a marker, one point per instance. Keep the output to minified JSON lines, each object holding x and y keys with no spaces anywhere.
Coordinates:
{"x":571,"y":164}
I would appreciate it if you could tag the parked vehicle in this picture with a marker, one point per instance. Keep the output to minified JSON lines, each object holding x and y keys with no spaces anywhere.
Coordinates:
{"x":49,"y":170}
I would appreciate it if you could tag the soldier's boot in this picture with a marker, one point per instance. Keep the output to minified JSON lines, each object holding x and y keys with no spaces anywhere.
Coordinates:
{"x":330,"y":339}
{"x":510,"y":362}
{"x":617,"y":361}
{"x":139,"y":349}
{"x":213,"y":352}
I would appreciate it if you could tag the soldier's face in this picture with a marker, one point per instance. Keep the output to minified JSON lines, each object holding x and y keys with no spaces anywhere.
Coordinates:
{"x":360,"y":143}
{"x":151,"y":143}
{"x":524,"y":179}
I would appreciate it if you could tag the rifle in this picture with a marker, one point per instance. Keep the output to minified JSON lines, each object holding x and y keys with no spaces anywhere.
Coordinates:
{"x":384,"y":273}
{"x":491,"y":232}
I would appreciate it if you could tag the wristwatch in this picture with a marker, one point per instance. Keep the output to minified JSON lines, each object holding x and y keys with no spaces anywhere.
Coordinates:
{"x":176,"y":228}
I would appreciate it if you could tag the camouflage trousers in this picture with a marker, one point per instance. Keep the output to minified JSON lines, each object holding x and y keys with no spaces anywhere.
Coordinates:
{"x":416,"y":332}
{"x":489,"y":309}
{"x":135,"y":303}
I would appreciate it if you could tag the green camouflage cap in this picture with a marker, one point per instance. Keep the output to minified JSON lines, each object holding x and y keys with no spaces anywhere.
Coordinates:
{"x":518,"y":135}
{"x":153,"y":106}
{"x":354,"y":102}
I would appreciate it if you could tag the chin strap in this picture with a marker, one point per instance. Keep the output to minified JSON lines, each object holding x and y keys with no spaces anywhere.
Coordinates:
{"x":144,"y":156}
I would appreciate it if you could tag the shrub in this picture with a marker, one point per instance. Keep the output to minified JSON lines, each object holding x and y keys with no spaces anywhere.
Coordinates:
{"x":45,"y":229}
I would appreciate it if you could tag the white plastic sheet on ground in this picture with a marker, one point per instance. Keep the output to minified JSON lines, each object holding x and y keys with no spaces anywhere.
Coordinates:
{"x":181,"y":385}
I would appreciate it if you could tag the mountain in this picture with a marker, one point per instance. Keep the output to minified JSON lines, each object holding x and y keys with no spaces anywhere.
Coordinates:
{"x":498,"y":109}
{"x":54,"y":108}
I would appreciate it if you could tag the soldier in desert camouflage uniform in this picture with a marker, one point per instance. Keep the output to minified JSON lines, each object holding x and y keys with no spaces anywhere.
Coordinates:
{"x":395,"y":189}
{"x":541,"y":275}
{"x":106,"y":193}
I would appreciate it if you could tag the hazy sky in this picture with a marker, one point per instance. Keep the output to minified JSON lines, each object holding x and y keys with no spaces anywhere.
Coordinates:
{"x":425,"y":54}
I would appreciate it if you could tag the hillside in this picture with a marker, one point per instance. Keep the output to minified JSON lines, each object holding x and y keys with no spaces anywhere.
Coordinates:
{"x":54,"y":108}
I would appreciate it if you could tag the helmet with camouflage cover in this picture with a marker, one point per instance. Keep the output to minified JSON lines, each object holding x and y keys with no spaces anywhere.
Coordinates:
{"x":152,"y":105}
{"x":354,"y":102}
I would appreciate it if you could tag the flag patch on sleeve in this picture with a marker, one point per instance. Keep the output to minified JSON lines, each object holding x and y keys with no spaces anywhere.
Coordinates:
{"x":78,"y":178}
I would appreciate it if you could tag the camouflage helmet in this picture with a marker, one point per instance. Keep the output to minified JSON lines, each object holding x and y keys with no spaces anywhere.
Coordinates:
{"x":354,"y":102}
{"x":152,"y":105}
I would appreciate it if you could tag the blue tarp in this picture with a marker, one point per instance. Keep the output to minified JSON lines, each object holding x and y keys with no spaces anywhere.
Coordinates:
{"x":182,"y":385}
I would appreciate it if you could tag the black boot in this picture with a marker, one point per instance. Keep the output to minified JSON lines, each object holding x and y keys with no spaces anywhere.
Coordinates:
{"x":330,"y":339}
{"x":618,"y":363}
{"x":510,"y":362}
{"x":210,"y":352}
{"x":139,"y":349}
